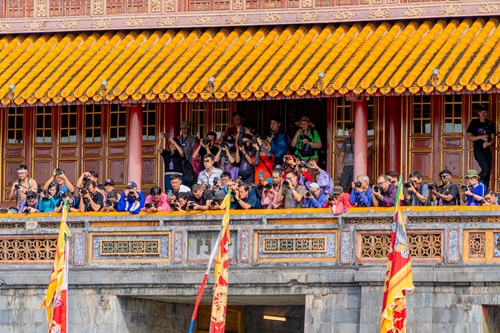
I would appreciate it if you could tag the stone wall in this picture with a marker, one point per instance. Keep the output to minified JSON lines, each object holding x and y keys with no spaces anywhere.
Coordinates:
{"x":254,"y":322}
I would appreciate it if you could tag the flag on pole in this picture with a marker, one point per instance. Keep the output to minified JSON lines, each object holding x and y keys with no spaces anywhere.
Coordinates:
{"x":219,"y":304}
{"x":398,"y":277}
{"x":210,"y":261}
{"x":56,"y":298}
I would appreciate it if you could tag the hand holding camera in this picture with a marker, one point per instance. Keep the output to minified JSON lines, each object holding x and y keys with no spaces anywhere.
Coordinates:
{"x":151,"y":206}
{"x":410,"y":186}
{"x":205,"y":142}
{"x":377,"y":189}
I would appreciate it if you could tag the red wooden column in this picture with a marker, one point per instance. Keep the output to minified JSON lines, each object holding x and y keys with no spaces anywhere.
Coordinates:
{"x":392,"y":133}
{"x":172,"y":118}
{"x":135,"y":145}
{"x":360,"y":137}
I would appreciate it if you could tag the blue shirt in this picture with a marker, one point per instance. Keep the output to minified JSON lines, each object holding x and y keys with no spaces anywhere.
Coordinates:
{"x":250,"y":200}
{"x":361,"y":199}
{"x":315,"y":203}
{"x":131,"y":205}
{"x":279,"y":143}
{"x":479,"y":189}
{"x":49,"y":205}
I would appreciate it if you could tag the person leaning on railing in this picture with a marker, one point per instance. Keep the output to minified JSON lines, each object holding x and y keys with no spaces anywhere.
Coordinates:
{"x":446,"y":194}
{"x":156,"y":201}
{"x":384,"y":193}
{"x":416,"y":193}
{"x":270,"y":191}
{"x":473,"y":194}
{"x":131,"y":200}
{"x":490,"y":199}
{"x":73,"y":203}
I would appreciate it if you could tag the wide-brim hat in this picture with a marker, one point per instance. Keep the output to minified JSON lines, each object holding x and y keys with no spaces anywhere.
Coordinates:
{"x":338,"y":190}
{"x":472,"y":174}
{"x":305,"y":118}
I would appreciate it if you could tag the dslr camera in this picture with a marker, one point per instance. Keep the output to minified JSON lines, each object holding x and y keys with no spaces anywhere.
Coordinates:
{"x":269,"y":186}
{"x":357,"y":184}
{"x":206,"y":141}
{"x":377,"y":188}
{"x":268,"y":135}
{"x":190,"y":206}
{"x":331,"y":198}
{"x":240,"y":144}
{"x":304,"y":136}
{"x":39,"y":189}
{"x":46,"y":195}
{"x":408,"y":184}
{"x":304,"y":164}
{"x":286,"y":185}
{"x":432,"y":186}
{"x":149,"y":205}
{"x":58,"y":171}
{"x":242,"y":130}
{"x":254,"y":139}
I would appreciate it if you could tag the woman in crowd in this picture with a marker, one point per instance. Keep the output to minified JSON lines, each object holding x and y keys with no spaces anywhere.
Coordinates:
{"x":50,"y":198}
{"x":173,"y":158}
{"x":156,"y":201}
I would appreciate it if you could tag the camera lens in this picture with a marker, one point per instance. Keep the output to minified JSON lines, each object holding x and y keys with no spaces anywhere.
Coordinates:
{"x":357,"y":184}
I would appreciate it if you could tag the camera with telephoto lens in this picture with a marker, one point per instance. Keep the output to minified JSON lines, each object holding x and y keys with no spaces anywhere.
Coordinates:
{"x":269,"y":186}
{"x":304,"y":164}
{"x":304,"y":136}
{"x":286,"y":185}
{"x":357,"y":184}
{"x":206,"y":141}
{"x":58,"y":171}
{"x":149,"y":205}
{"x":46,"y":195}
{"x":408,"y":184}
{"x":377,"y":188}
{"x":432,"y":186}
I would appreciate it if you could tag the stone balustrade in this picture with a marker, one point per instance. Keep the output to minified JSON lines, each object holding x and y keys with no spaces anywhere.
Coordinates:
{"x":259,"y":238}
{"x":78,"y":15}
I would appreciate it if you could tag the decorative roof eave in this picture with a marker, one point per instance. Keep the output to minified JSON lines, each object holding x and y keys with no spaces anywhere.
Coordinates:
{"x":307,"y":13}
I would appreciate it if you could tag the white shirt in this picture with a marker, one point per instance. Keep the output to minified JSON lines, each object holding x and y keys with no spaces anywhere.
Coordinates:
{"x":205,"y":178}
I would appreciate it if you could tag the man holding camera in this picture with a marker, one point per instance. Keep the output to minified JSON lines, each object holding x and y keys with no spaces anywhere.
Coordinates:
{"x":416,"y":193}
{"x":30,"y":204}
{"x":481,"y":132}
{"x":278,"y":139}
{"x":187,"y":140}
{"x":383,"y":193}
{"x":110,"y":203}
{"x":199,"y":198}
{"x":73,"y":203}
{"x":306,"y":141}
{"x":244,"y":197}
{"x":206,"y":147}
{"x":209,"y":173}
{"x":91,"y":199}
{"x":131,"y":200}
{"x":291,"y":192}
{"x":238,"y":119}
{"x":156,"y":201}
{"x":23,"y":185}
{"x":270,"y":191}
{"x":490,"y":199}
{"x":217,"y":199}
{"x":474,"y":193}
{"x":346,"y":165}
{"x":177,"y":186}
{"x":361,"y":192}
{"x":315,"y":198}
{"x":245,"y":156}
{"x":446,"y":194}
{"x":60,"y":178}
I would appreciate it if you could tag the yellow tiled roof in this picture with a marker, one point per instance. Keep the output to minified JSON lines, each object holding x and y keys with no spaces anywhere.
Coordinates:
{"x":388,"y":57}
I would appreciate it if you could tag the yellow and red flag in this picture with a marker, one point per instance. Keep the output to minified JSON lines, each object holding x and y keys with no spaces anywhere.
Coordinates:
{"x":398,"y":278}
{"x":56,"y":298}
{"x":219,"y":304}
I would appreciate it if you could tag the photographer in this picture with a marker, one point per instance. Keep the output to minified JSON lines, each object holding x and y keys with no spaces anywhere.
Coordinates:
{"x":217,"y":200}
{"x":109,"y":186}
{"x":245,"y":156}
{"x":89,"y":176}
{"x":50,"y":198}
{"x":475,"y":191}
{"x":416,"y":193}
{"x":226,"y":157}
{"x":177,"y":187}
{"x":393,"y":178}
{"x":446,"y":194}
{"x":383,"y":193}
{"x":244,"y":197}
{"x":481,"y":132}
{"x":323,"y":178}
{"x":361,"y":192}
{"x":156,"y":201}
{"x":291,"y":192}
{"x":91,"y":199}
{"x":238,"y":119}
{"x":315,"y":198}
{"x":181,"y":203}
{"x":199,"y":198}
{"x":60,"y":178}
{"x":490,"y":199}
{"x":346,"y":165}
{"x":264,"y":160}
{"x":209,"y":173}
{"x":30,"y":204}
{"x":270,"y":191}
{"x":206,"y":147}
{"x":110,"y":203}
{"x":187,"y":141}
{"x":172,"y":158}
{"x":131,"y":200}
{"x":73,"y":203}
{"x":306,"y":141}
{"x":278,"y":139}
{"x":292,"y":163}
{"x":338,"y":201}
{"x":22,"y":185}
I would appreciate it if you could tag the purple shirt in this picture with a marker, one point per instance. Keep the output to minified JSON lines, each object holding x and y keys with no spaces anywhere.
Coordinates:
{"x":388,"y":196}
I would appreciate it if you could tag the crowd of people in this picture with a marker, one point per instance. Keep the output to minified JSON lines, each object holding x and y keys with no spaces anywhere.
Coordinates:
{"x":269,"y":171}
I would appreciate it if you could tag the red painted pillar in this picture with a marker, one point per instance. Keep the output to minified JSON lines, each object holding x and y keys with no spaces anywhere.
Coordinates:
{"x":135,"y":145}
{"x":393,"y":135}
{"x":360,"y":137}
{"x":172,"y":118}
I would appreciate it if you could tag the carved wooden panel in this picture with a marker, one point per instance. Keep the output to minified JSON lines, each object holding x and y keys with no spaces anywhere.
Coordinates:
{"x":116,"y":170}
{"x":28,"y":250}
{"x":149,"y":171}
{"x":89,"y":151}
{"x":453,"y":161}
{"x":116,"y":151}
{"x":421,"y":162}
{"x":42,"y":152}
{"x":70,"y":168}
{"x":67,"y":152}
{"x":421,"y":143}
{"x":42,"y":170}
{"x":14,"y":152}
{"x":93,"y":165}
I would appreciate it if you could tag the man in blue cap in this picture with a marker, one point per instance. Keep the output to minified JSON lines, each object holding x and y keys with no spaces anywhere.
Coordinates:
{"x":131,"y":199}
